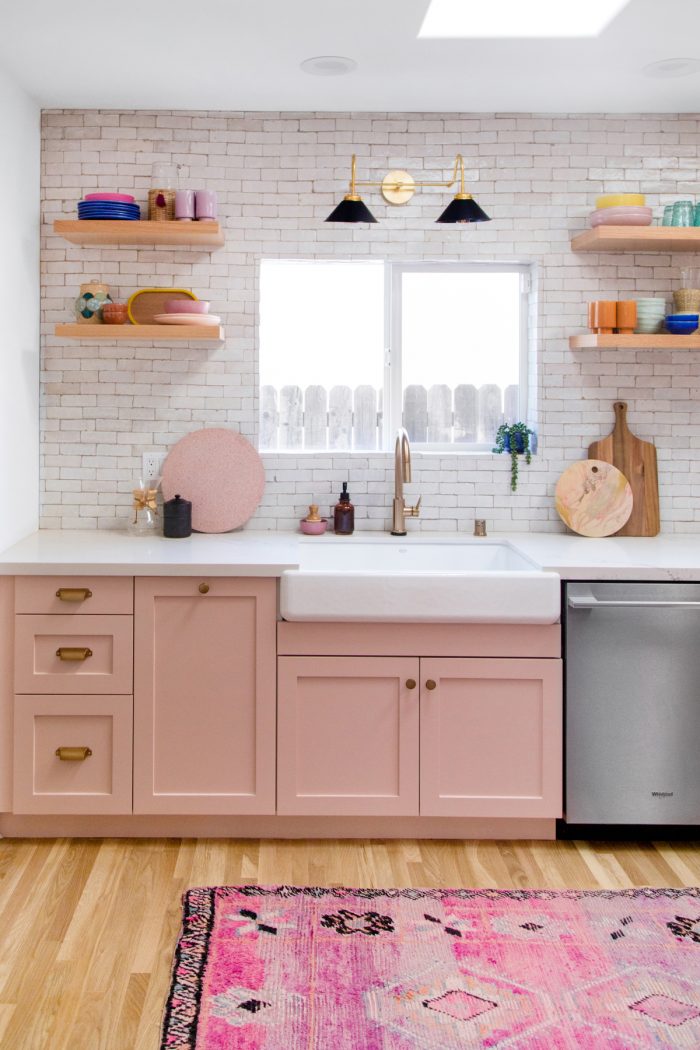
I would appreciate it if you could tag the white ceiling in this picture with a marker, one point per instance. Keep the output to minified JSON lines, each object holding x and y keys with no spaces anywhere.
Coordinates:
{"x":245,"y":55}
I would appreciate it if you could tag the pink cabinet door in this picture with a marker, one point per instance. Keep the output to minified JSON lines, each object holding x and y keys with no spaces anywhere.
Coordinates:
{"x":69,"y":654}
{"x":72,"y":754}
{"x":491,"y":738}
{"x":347,"y":732}
{"x":204,"y":695}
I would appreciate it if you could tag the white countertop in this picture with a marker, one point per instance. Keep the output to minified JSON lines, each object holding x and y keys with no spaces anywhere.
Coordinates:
{"x":248,"y":553}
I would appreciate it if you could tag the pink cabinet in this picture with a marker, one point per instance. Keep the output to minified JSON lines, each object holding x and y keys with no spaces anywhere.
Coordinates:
{"x":347,"y":732}
{"x":491,"y":738}
{"x":72,"y":754}
{"x":69,"y":654}
{"x":204,"y":695}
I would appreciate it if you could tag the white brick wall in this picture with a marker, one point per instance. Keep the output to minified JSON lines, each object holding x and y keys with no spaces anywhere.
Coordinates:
{"x":277,"y":176}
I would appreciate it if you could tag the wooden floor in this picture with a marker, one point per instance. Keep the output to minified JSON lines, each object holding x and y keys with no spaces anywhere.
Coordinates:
{"x":87,"y":927}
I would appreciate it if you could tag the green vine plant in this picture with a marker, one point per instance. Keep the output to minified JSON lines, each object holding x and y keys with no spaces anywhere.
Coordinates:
{"x":508,"y":437}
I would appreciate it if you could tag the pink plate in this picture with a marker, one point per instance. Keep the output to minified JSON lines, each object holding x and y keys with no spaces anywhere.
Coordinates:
{"x":596,"y":219}
{"x":125,"y":198}
{"x":220,"y":472}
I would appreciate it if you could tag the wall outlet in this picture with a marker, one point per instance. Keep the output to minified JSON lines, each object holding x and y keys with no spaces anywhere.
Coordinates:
{"x":152,"y":465}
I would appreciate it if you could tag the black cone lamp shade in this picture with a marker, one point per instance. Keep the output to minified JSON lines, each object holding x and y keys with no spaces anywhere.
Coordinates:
{"x":351,"y":209}
{"x":463,"y":209}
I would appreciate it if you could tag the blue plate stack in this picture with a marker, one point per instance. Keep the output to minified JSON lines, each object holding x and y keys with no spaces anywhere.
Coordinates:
{"x":109,"y":209}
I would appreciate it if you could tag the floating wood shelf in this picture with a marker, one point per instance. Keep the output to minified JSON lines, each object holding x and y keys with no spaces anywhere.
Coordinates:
{"x":151,"y":333}
{"x":663,"y":341}
{"x":175,"y":234}
{"x":638,"y":239}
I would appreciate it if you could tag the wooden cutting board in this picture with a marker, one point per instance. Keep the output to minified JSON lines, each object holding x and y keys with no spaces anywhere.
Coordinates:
{"x":637,"y":461}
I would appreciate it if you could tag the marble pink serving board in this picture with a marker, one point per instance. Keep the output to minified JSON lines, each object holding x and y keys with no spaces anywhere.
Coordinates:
{"x":220,"y":472}
{"x":593,"y":498}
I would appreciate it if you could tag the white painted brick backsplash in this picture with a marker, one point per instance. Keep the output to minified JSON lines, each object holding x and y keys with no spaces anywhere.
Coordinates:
{"x":277,"y":176}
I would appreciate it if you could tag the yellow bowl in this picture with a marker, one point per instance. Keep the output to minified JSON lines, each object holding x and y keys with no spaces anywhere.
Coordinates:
{"x":617,"y":200}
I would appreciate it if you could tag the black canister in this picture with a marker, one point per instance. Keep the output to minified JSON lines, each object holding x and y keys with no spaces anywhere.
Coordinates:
{"x":177,"y":518}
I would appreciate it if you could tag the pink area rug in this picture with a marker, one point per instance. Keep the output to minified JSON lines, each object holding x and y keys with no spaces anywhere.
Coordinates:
{"x":338,"y":969}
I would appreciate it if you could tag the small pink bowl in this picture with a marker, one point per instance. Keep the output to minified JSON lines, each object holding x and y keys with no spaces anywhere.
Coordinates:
{"x":186,"y":306}
{"x":313,"y":528}
{"x":122,"y":198}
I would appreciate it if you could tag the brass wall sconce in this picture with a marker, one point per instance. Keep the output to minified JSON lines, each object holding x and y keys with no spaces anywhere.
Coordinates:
{"x":398,"y":187}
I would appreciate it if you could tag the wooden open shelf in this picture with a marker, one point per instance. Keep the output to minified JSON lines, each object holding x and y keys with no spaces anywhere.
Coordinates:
{"x":151,"y":333}
{"x":638,"y":239}
{"x":175,"y":234}
{"x":663,"y":341}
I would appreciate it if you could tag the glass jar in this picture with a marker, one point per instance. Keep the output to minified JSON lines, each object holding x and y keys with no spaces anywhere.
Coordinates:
{"x":144,"y":518}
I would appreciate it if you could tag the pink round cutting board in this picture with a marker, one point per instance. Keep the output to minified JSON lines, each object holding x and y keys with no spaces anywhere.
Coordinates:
{"x":593,"y":498}
{"x":220,"y":472}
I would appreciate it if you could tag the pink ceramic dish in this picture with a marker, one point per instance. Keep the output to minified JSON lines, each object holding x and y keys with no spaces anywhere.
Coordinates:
{"x":313,"y":528}
{"x":124,"y":198}
{"x":621,"y":217}
{"x":186,"y":306}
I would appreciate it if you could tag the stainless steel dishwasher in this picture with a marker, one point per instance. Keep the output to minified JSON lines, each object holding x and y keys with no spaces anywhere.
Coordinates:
{"x":632,"y":703}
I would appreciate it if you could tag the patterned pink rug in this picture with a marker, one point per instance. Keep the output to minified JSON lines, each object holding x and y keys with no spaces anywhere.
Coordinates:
{"x":328,"y":969}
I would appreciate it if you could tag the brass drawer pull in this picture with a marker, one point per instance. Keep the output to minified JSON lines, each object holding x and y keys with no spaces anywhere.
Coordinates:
{"x":73,"y":754}
{"x":204,"y":588}
{"x":410,"y":683}
{"x":430,"y":684}
{"x":68,"y":652}
{"x":73,"y":594}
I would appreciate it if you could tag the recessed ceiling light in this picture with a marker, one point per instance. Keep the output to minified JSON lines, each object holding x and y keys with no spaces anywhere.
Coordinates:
{"x":672,"y":67}
{"x":513,"y":18}
{"x":328,"y":66}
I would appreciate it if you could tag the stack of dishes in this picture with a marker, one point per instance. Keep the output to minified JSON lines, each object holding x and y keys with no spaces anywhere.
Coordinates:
{"x":121,"y":206}
{"x":682,"y":324}
{"x":651,"y":314}
{"x":203,"y":320}
{"x":621,"y":209}
{"x":187,"y":311}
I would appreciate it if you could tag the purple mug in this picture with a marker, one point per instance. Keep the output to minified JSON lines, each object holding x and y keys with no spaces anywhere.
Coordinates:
{"x":205,"y":205}
{"x":184,"y":205}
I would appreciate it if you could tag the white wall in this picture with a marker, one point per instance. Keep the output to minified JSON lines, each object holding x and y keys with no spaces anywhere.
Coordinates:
{"x":19,"y":307}
{"x":278,"y":175}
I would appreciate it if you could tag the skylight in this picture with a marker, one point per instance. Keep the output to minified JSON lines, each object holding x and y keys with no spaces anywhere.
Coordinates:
{"x":514,"y":18}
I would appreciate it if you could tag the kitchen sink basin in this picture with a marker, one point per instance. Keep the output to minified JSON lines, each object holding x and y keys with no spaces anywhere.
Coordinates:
{"x":413,"y":581}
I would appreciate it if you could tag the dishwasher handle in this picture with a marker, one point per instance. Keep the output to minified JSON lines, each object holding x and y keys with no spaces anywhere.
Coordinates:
{"x":590,"y":602}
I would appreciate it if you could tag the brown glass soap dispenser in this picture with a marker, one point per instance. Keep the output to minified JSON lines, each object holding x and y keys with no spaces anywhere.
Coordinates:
{"x":344,"y":513}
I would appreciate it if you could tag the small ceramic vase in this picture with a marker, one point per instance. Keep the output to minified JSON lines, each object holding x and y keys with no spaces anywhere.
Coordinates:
{"x":88,"y":305}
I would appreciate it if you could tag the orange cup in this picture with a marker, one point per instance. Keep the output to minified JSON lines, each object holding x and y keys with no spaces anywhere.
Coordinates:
{"x":592,"y":316}
{"x":626,"y":315}
{"x":605,"y":316}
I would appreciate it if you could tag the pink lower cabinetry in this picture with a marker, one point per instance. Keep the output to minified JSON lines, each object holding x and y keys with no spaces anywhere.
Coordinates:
{"x":72,"y":754}
{"x":204,"y":696}
{"x":439,"y":736}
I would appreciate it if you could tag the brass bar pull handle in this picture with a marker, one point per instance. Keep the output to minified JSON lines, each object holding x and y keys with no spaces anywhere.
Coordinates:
{"x":68,"y":652}
{"x":73,"y":594}
{"x":430,"y":684}
{"x":410,"y":683}
{"x":73,"y":754}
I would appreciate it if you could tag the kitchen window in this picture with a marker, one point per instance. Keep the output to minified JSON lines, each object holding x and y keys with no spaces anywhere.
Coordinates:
{"x":349,"y":351}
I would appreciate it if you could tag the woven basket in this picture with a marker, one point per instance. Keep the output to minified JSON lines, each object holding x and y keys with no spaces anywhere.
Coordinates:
{"x":161,"y":205}
{"x":687,"y":300}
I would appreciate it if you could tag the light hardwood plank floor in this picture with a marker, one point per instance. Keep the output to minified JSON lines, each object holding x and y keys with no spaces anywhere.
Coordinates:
{"x":88,"y":927}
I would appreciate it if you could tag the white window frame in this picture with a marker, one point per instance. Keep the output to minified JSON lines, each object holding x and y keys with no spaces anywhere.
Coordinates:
{"x":393,"y":357}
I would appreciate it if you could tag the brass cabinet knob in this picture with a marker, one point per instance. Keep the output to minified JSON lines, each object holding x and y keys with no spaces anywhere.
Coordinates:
{"x":410,"y":683}
{"x":73,"y":754}
{"x":204,"y":588}
{"x":73,"y":594}
{"x":73,"y":652}
{"x":430,"y":684}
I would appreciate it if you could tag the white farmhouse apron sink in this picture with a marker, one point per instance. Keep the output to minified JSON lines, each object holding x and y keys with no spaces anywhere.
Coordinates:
{"x":389,"y":580}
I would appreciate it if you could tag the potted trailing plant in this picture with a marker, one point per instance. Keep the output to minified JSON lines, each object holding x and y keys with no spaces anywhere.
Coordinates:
{"x":515,"y":439}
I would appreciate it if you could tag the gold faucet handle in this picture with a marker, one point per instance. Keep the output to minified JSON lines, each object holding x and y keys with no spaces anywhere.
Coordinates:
{"x":413,"y":512}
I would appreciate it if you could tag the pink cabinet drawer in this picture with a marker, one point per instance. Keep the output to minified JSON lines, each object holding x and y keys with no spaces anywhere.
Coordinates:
{"x":58,"y":654}
{"x":72,"y":754}
{"x":74,"y":594}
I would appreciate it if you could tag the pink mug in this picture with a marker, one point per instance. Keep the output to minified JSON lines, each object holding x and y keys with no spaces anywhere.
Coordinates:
{"x":184,"y":205}
{"x":205,"y":205}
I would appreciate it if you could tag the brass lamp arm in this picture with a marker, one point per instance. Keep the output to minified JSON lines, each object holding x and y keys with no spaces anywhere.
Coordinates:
{"x":399,"y":184}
